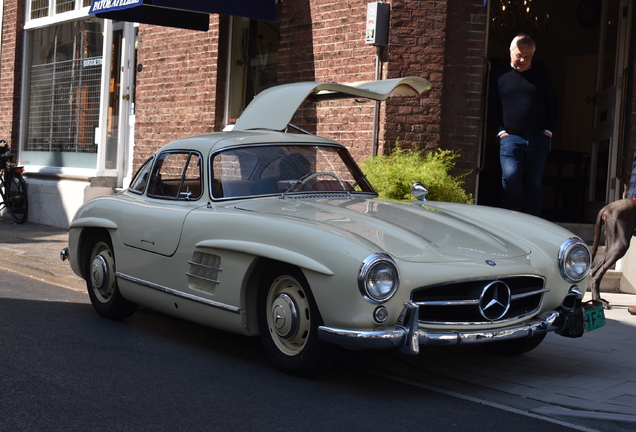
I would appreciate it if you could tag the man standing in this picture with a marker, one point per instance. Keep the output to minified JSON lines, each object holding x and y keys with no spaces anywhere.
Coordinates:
{"x":523,"y":109}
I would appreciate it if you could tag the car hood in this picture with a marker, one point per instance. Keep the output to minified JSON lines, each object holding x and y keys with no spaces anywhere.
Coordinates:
{"x":407,"y":230}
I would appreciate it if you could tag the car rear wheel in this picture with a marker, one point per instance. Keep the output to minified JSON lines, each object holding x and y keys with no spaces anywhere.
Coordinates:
{"x":288,"y":320}
{"x":102,"y":282}
{"x":514,"y":346}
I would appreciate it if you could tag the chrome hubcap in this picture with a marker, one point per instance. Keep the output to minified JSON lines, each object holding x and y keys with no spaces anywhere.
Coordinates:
{"x":102,"y":276}
{"x":99,"y":273}
{"x":284,"y":316}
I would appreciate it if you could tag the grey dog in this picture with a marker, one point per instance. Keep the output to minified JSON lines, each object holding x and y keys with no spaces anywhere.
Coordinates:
{"x":619,"y":218}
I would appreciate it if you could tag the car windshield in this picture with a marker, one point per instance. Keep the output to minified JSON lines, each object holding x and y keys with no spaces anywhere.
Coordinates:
{"x":280,"y":169}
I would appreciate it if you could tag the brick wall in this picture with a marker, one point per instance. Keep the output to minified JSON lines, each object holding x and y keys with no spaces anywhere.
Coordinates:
{"x":177,"y":91}
{"x":416,"y":47}
{"x":11,"y":71}
{"x":323,"y":40}
{"x":464,"y":74}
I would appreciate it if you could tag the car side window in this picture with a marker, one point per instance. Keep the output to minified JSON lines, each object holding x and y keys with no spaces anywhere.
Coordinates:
{"x":232,"y":172}
{"x":140,"y":180}
{"x":176,"y":175}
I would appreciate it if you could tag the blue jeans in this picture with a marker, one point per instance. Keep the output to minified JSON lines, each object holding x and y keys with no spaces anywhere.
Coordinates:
{"x":523,"y":159}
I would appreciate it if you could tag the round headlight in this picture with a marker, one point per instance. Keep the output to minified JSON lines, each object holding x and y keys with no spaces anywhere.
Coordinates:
{"x":378,"y":279}
{"x":574,"y":260}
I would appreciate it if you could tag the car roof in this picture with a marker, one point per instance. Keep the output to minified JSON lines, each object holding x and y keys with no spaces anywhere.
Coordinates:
{"x":213,"y":142}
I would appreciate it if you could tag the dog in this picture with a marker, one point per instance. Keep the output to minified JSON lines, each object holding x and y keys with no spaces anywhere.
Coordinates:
{"x":619,"y":218}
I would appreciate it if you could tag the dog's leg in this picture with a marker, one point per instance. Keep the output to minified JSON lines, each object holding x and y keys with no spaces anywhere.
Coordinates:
{"x":596,"y":275}
{"x":616,"y":245}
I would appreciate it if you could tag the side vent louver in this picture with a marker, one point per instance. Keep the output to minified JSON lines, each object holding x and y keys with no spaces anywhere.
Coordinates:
{"x":204,"y":272}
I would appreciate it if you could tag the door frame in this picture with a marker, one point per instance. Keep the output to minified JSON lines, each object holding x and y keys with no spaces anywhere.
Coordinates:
{"x":125,"y":116}
{"x":609,"y":109}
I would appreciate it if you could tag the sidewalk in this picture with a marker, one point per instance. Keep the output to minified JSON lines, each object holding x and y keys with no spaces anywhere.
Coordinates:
{"x":34,"y":250}
{"x":589,"y":380}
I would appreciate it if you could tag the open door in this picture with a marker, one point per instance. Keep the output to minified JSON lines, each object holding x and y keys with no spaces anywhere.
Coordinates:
{"x":613,"y":57}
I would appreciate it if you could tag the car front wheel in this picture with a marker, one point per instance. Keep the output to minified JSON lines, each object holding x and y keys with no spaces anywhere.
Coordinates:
{"x":102,"y":282}
{"x":288,"y":320}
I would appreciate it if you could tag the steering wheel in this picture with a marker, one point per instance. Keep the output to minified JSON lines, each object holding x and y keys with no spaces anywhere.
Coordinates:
{"x":305,"y":179}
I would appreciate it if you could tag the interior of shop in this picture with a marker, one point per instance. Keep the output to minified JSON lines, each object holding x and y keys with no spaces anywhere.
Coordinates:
{"x":584,"y":45}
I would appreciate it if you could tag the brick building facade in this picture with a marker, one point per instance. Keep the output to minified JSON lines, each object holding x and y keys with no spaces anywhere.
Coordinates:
{"x":182,"y":79}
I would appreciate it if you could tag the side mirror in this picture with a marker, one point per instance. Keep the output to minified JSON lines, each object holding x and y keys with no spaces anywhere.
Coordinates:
{"x":419,"y":191}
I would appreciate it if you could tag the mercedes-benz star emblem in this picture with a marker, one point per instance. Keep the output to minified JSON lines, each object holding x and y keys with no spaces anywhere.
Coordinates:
{"x":494,"y":301}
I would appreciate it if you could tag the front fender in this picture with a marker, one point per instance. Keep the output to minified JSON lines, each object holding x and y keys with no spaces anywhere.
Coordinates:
{"x":265,"y":250}
{"x":78,"y":229}
{"x":94,"y":222}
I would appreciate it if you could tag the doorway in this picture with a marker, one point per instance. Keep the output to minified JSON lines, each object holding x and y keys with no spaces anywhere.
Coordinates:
{"x":584,"y":44}
{"x":117,"y":115}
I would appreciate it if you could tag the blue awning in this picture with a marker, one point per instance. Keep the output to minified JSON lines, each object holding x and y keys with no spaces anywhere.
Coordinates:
{"x":188,"y":14}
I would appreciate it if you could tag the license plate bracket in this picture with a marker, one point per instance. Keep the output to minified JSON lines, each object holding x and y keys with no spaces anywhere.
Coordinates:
{"x":593,"y":314}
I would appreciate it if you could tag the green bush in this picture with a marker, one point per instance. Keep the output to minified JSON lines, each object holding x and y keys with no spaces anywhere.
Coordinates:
{"x":392,"y":176}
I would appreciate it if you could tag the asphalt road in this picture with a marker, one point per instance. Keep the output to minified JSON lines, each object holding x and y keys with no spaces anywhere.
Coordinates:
{"x":62,"y":368}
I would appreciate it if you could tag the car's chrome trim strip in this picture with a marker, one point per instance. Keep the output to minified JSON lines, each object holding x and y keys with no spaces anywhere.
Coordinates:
{"x":468,"y":302}
{"x":207,"y":302}
{"x":214,"y":281}
{"x":528,"y":294}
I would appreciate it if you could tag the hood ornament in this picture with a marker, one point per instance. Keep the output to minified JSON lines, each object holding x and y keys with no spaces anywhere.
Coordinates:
{"x":419,"y":191}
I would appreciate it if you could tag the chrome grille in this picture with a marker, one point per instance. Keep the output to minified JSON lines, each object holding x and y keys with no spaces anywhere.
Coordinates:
{"x":464,"y":302}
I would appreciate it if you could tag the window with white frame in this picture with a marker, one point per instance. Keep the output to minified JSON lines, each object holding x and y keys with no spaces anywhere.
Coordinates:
{"x":64,"y":93}
{"x":63,"y":76}
{"x":48,"y":8}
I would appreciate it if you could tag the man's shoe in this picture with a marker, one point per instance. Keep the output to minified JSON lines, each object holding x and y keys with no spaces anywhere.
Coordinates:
{"x":632,"y":310}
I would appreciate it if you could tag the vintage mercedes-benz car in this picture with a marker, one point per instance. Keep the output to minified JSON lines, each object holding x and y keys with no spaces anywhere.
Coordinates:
{"x":261,"y":231}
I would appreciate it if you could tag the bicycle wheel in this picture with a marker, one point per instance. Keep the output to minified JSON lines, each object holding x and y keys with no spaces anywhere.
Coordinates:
{"x":17,"y":201}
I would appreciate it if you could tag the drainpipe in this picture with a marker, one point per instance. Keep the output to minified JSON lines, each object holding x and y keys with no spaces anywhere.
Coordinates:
{"x":376,"y":104}
{"x":481,"y":149}
{"x":377,"y":34}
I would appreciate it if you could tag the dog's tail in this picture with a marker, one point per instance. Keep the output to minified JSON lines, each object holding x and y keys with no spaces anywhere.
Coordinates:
{"x":597,"y":232}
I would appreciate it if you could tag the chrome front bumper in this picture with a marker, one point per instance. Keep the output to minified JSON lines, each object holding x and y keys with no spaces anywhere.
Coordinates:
{"x":567,"y":320}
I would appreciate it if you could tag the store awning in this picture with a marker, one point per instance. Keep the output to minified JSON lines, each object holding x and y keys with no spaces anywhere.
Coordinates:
{"x":187,"y":14}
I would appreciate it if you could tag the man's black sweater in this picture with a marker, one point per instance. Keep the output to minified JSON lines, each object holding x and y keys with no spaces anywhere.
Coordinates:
{"x":522,"y":102}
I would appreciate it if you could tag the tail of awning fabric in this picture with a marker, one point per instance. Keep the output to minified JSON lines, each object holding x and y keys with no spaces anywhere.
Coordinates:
{"x":187,"y":14}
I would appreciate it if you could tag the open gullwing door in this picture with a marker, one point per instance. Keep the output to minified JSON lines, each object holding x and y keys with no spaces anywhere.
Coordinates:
{"x":274,"y":108}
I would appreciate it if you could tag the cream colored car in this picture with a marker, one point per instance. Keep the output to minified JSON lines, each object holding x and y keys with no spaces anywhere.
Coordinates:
{"x":261,"y":231}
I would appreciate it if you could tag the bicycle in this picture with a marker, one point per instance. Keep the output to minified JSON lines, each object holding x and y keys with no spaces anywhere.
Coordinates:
{"x":13,"y":188}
